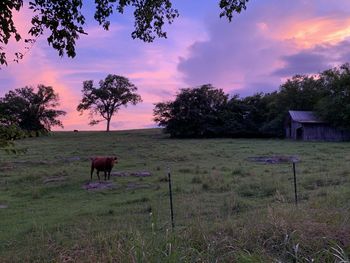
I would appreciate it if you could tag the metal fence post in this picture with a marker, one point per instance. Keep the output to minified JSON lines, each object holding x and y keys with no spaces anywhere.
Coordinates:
{"x":171,"y":200}
{"x":295,"y":185}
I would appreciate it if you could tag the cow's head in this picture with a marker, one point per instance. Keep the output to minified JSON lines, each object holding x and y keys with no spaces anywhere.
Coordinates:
{"x":114,"y":159}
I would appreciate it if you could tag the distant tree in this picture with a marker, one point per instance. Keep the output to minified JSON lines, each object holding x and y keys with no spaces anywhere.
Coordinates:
{"x":31,"y":110}
{"x":334,"y":106}
{"x":113,"y":92}
{"x":194,"y":113}
{"x":64,"y":21}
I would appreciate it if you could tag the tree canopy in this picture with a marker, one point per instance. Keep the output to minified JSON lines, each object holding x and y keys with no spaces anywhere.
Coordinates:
{"x":334,"y":106}
{"x":113,"y":92}
{"x":64,"y":21}
{"x":31,"y":110}
{"x":194,"y":112}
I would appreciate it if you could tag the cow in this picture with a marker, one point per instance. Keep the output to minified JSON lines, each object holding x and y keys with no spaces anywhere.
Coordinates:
{"x":104,"y":164}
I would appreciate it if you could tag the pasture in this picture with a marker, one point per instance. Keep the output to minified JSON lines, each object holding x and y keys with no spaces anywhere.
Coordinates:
{"x":228,"y":207}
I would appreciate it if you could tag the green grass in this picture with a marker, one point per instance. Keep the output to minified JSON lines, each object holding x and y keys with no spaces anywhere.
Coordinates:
{"x":227,"y":208}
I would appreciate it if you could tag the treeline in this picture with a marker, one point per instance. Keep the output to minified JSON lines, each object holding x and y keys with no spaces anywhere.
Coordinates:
{"x":203,"y":111}
{"x":206,"y":111}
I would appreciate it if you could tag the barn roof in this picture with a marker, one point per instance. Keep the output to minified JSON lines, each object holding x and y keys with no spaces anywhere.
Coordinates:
{"x":304,"y":116}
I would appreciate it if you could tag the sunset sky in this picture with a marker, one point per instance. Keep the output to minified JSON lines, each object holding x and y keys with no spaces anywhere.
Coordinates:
{"x":263,"y":46}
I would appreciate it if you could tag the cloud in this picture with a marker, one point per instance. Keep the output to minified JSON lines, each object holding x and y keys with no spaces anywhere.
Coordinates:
{"x":316,"y":59}
{"x":270,"y":41}
{"x":303,"y":62}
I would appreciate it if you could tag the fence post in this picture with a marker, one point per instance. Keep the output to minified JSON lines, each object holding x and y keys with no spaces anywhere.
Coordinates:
{"x":295,"y":185}
{"x":171,"y":200}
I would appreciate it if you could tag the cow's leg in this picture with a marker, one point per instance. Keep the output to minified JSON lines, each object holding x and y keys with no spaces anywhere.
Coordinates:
{"x":105,"y":175}
{"x":92,"y":171}
{"x":98,"y":175}
{"x":109,"y":174}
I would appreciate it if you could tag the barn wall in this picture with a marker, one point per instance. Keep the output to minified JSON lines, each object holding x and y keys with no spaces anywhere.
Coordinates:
{"x":294,"y":126}
{"x":319,"y":131}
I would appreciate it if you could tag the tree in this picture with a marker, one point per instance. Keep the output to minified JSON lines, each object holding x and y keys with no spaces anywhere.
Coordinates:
{"x":115,"y":91}
{"x":194,"y":112}
{"x":233,"y":118}
{"x":64,"y":21}
{"x":30,"y":110}
{"x":334,"y":106}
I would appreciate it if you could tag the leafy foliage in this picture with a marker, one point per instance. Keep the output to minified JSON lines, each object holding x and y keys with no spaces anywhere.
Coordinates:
{"x":194,"y":113}
{"x":230,"y":6}
{"x":7,"y":25}
{"x":7,"y":135}
{"x":30,"y":110}
{"x":334,"y":106}
{"x":64,"y":21}
{"x":115,"y":91}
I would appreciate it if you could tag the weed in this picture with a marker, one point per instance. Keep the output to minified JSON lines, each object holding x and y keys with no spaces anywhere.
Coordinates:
{"x":238,"y":171}
{"x":196,"y":180}
{"x":185,"y":170}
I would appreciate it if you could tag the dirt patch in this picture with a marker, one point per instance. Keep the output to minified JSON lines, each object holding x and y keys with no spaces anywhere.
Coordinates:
{"x":274,"y":159}
{"x":3,"y":206}
{"x":134,"y":174}
{"x":97,"y":186}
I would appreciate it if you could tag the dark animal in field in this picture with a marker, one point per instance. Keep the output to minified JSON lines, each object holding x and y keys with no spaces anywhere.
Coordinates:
{"x":104,"y":164}
{"x":76,"y":131}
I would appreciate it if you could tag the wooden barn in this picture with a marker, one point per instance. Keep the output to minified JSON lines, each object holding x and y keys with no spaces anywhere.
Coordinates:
{"x":306,"y":126}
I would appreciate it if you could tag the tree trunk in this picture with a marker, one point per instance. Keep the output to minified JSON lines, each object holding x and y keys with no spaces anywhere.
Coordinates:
{"x":108,"y":123}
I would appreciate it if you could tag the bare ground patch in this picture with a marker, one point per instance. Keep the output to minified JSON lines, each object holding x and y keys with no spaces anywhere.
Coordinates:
{"x":274,"y":159}
{"x":97,"y":186}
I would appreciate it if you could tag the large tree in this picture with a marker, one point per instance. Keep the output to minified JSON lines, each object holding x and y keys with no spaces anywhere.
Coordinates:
{"x":64,"y":21}
{"x":113,"y":92}
{"x":30,"y":109}
{"x":194,"y":113}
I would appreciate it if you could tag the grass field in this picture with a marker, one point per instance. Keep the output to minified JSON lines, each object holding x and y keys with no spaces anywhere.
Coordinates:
{"x":227,"y":207}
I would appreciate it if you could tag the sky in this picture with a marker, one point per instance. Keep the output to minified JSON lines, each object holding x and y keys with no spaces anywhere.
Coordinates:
{"x":259,"y":50}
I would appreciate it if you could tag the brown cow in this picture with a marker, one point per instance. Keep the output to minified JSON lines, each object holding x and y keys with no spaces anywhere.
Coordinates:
{"x":104,"y":164}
